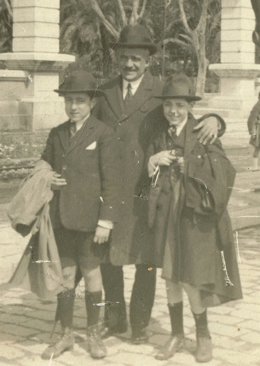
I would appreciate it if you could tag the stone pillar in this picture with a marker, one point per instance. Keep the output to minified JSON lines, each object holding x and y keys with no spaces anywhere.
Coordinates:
{"x":237,"y":70}
{"x":36,"y":54}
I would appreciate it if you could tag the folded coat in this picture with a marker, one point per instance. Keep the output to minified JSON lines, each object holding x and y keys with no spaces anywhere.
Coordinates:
{"x":39,"y":268}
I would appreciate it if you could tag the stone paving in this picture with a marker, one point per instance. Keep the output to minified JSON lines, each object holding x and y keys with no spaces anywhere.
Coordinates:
{"x":26,"y":321}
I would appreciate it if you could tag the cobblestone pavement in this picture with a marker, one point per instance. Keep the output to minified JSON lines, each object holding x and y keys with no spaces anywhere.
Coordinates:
{"x":26,"y":321}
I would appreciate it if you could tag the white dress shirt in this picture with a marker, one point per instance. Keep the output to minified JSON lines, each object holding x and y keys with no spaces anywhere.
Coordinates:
{"x":134,"y":86}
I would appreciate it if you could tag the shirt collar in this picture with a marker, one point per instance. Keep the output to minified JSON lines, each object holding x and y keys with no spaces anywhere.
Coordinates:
{"x":80,"y":124}
{"x":180,"y":127}
{"x":134,"y":84}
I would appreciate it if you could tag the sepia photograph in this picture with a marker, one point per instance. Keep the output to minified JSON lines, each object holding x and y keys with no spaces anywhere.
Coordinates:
{"x":129,"y":182}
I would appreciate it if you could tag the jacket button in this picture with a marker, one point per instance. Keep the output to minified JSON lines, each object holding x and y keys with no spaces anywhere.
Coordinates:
{"x":64,"y":167}
{"x":119,"y":138}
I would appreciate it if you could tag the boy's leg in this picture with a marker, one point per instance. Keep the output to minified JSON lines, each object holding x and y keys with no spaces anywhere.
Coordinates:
{"x":175,"y":305}
{"x":66,"y":243}
{"x":204,"y":344}
{"x":115,"y":309}
{"x":142,"y":301}
{"x":90,"y":269}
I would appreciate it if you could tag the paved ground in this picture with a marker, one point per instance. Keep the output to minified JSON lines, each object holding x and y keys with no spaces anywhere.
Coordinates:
{"x":26,"y":321}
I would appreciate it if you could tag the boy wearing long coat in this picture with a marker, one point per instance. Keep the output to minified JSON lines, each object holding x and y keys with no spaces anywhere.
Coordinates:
{"x":190,"y":226}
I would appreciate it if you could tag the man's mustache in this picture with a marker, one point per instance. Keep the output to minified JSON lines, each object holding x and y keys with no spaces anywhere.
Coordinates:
{"x":129,"y":69}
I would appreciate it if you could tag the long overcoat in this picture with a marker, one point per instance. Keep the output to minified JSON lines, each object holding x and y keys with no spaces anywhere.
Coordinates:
{"x":200,"y":242}
{"x":89,"y":164}
{"x":127,"y":246}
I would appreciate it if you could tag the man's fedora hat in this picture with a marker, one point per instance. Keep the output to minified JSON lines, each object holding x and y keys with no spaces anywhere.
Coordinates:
{"x":79,"y":81}
{"x":135,"y":36}
{"x":179,"y":86}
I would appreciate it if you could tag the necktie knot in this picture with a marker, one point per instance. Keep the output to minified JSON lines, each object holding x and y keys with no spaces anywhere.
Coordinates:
{"x":172,"y":131}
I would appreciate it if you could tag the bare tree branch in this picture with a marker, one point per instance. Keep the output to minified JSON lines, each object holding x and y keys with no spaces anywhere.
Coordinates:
{"x":8,"y":7}
{"x":134,"y":15}
{"x":122,"y":12}
{"x":176,"y":41}
{"x":184,"y":17}
{"x":203,"y":16}
{"x":141,"y":14}
{"x":100,"y":14}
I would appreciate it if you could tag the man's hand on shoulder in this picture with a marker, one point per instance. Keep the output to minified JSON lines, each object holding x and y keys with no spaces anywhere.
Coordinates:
{"x":208,"y":130}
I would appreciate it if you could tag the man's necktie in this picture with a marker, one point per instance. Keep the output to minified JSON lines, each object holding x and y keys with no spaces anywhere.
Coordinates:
{"x":73,"y":129}
{"x":129,"y":93}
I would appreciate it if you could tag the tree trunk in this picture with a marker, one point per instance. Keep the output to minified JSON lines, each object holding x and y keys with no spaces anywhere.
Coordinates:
{"x":202,"y":73}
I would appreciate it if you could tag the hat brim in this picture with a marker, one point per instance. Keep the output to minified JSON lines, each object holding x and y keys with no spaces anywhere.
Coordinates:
{"x":150,"y":46}
{"x":189,"y":98}
{"x":92,"y":92}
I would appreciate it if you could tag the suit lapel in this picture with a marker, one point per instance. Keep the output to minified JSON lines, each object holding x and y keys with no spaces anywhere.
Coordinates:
{"x":84,"y":135}
{"x":64,"y":135}
{"x":114,"y":98}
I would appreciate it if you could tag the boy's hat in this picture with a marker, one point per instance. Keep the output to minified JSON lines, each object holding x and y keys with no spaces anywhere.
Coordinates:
{"x":79,"y":81}
{"x":179,"y":86}
{"x":135,"y":36}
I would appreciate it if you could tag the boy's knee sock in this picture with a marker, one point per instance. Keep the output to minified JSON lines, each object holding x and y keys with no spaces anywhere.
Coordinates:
{"x":92,"y":301}
{"x":65,"y":308}
{"x":176,"y":316}
{"x":201,"y":323}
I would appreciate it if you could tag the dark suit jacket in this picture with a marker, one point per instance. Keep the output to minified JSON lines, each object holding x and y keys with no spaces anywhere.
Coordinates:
{"x":91,"y":175}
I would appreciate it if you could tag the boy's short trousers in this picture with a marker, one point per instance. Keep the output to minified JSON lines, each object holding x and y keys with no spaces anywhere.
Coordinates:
{"x":78,"y":248}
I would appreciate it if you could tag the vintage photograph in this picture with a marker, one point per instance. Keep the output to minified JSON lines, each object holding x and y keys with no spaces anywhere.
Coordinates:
{"x":130,"y":182}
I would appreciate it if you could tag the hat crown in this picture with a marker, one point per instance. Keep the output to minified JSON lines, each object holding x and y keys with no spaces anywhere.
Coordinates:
{"x":134,"y":34}
{"x":78,"y":81}
{"x":179,"y":86}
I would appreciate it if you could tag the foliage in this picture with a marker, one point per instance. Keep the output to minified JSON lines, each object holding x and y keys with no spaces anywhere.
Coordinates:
{"x":5,"y":25}
{"x":89,"y":26}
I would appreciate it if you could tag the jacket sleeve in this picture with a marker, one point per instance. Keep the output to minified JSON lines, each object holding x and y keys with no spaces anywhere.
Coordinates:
{"x":110,"y":176}
{"x":210,"y":170}
{"x":48,"y":152}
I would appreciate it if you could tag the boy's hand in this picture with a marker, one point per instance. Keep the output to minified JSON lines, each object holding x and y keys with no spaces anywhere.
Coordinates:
{"x":163,"y":158}
{"x":57,"y":182}
{"x":208,"y":130}
{"x":101,"y":235}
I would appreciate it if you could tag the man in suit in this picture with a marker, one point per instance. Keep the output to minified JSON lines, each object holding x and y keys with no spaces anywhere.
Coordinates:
{"x":128,"y":100}
{"x":83,"y":155}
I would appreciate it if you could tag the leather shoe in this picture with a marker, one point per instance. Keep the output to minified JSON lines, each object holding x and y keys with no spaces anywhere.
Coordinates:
{"x":204,"y":349}
{"x":174,"y":344}
{"x":139,"y":336}
{"x":95,"y":345}
{"x":66,"y":343}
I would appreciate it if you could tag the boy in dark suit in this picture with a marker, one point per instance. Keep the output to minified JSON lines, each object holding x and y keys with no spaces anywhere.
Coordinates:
{"x":83,"y":155}
{"x":190,"y":226}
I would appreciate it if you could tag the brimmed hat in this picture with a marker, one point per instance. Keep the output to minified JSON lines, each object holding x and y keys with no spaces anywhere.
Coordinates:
{"x":135,"y":36}
{"x":179,"y":86}
{"x":79,"y":81}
